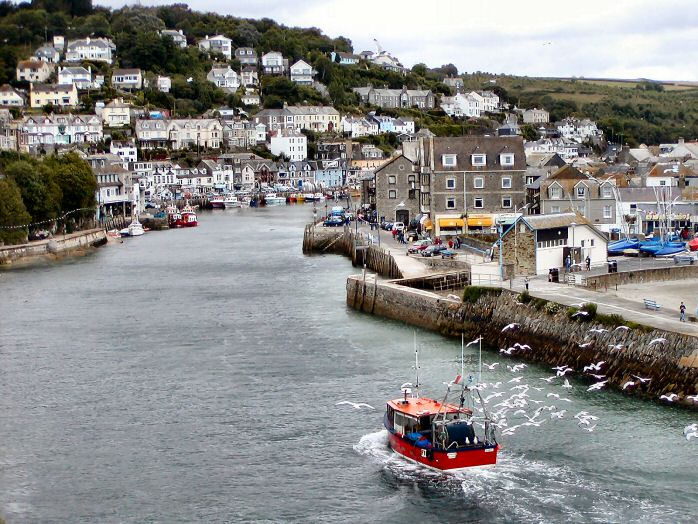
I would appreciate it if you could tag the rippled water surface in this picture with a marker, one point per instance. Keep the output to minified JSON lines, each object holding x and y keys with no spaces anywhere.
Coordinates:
{"x":192,"y":375}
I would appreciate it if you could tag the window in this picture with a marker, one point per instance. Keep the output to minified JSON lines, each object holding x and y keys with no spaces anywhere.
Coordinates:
{"x":448,"y":160}
{"x":479,"y":203}
{"x":450,"y":183}
{"x":506,"y":201}
{"x":450,"y":203}
{"x":555,"y":192}
{"x":479,"y":160}
{"x":662,"y":182}
{"x":554,"y":209}
{"x":479,"y":182}
{"x":506,"y":159}
{"x":606,"y":191}
{"x":506,"y":182}
{"x":607,"y":212}
{"x":529,"y":180}
{"x":391,"y":180}
{"x":581,"y":191}
{"x":392,"y":194}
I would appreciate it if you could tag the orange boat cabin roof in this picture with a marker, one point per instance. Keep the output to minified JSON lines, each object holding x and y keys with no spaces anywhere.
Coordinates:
{"x":419,"y":407}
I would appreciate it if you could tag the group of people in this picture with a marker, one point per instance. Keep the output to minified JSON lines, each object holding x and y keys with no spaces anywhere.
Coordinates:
{"x":568,"y":263}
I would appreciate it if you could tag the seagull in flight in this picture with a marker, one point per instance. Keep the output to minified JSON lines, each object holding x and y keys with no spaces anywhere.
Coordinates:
{"x":563,"y":372}
{"x":558,"y":414}
{"x":660,"y":340}
{"x":597,"y":386}
{"x":690,"y":431}
{"x":549,"y":380}
{"x":617,"y":347}
{"x":478,"y":339}
{"x":621,"y":328}
{"x":671,"y":397}
{"x":491,"y":366}
{"x":585,"y":345}
{"x":594,"y":367}
{"x":516,"y":379}
{"x":692,"y":398}
{"x":516,"y":368}
{"x":567,"y":384}
{"x":513,"y":325}
{"x":522,"y":346}
{"x":628,"y":384}
{"x":599,"y":330}
{"x":643,"y":380}
{"x":580,"y":314}
{"x":355,"y":405}
{"x":597,"y":377}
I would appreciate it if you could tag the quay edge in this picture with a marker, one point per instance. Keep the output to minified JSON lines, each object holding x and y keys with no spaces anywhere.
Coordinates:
{"x":554,"y":339}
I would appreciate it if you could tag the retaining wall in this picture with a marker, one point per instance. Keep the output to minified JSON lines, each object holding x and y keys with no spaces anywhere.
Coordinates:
{"x":554,"y":339}
{"x":602,"y":282}
{"x":51,"y":248}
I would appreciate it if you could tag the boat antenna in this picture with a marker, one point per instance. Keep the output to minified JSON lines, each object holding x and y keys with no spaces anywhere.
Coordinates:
{"x":479,"y":363}
{"x":416,"y":365}
{"x":462,"y":350}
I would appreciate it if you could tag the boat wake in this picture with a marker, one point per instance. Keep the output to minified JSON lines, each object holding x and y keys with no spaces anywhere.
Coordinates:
{"x":519,"y":488}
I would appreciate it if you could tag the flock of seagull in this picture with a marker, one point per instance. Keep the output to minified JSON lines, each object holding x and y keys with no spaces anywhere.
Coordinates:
{"x":514,"y":407}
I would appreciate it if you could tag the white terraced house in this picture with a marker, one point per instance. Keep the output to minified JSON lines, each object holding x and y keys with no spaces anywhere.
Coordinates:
{"x":181,"y":133}
{"x":302,"y":73}
{"x":56,"y":130}
{"x":81,"y":77}
{"x":127,"y":79}
{"x":177,"y":36}
{"x":9,"y":97}
{"x":225,"y":78}
{"x":314,"y":118}
{"x":94,"y":49}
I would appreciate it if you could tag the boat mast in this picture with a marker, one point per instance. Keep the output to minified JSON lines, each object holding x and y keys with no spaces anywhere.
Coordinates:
{"x":416,"y":365}
{"x":479,"y":363}
{"x":462,"y":349}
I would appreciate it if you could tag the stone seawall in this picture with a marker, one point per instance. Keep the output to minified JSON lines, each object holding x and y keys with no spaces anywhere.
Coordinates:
{"x":641,"y":276}
{"x":51,"y":248}
{"x":554,"y":339}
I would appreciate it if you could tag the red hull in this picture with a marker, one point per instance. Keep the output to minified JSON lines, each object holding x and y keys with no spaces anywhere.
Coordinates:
{"x":444,"y":461}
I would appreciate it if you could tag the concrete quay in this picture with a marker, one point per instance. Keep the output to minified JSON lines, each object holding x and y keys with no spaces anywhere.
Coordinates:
{"x":52,"y":248}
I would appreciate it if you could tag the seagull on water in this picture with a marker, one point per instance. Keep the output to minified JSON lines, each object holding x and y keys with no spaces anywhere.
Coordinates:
{"x":597,"y":386}
{"x":590,"y":428}
{"x":690,"y":431}
{"x":355,"y":405}
{"x":567,"y":384}
{"x":513,"y":325}
{"x":628,"y":384}
{"x":671,"y":397}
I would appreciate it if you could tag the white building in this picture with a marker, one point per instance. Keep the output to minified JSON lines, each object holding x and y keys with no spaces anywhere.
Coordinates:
{"x":127,"y":79}
{"x":78,"y":75}
{"x":163,"y":84}
{"x":313,"y":118}
{"x":48,"y":53}
{"x":217,"y":44}
{"x":177,"y":36}
{"x":180,"y":133}
{"x":249,"y":76}
{"x":536,"y":116}
{"x":33,"y":71}
{"x":302,"y":73}
{"x":358,"y":127}
{"x":578,"y":130}
{"x":462,"y":105}
{"x":567,"y":149}
{"x":116,"y":113}
{"x":490,"y":101}
{"x":10,"y":98}
{"x":126,"y":150}
{"x":224,"y":77}
{"x":289,"y":142}
{"x":56,"y":130}
{"x":56,"y":95}
{"x":250,"y":98}
{"x":95,"y":49}
{"x":273,"y":63}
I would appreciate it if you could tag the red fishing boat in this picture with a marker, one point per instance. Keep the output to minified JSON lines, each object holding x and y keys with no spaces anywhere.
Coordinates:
{"x":438,"y":434}
{"x":189,"y":218}
{"x":693,"y":244}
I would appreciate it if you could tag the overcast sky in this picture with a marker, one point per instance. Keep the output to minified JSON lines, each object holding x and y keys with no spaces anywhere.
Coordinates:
{"x":595,"y":38}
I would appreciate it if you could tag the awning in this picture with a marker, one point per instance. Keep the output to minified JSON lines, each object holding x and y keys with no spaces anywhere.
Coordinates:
{"x":428,"y":224}
{"x":451,"y":222}
{"x":480,"y":221}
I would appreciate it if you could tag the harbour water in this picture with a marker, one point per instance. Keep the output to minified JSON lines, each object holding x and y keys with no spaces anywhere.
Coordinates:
{"x":193,"y":376}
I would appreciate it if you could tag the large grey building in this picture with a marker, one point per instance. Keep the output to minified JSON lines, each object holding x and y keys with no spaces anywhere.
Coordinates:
{"x":397,"y":190}
{"x":393,"y":98}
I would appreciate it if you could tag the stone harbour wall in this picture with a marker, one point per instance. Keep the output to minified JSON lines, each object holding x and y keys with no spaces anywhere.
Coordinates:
{"x":554,"y":339}
{"x":51,"y":248}
{"x":677,"y":272}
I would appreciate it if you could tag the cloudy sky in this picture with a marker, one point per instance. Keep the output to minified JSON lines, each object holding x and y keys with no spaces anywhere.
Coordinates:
{"x":595,"y":38}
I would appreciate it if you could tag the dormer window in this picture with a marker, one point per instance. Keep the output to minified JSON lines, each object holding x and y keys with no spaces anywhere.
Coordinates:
{"x":555,"y":192}
{"x":606,"y":191}
{"x":479,"y":159}
{"x":506,"y":159}
{"x":448,"y":160}
{"x":581,"y":191}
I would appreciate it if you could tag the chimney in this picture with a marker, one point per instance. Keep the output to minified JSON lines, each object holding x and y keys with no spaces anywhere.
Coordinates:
{"x":680,"y":141}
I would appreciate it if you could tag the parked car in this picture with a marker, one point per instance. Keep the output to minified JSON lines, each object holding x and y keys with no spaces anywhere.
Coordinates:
{"x":387,"y":226}
{"x":418,"y":246}
{"x":433,"y":250}
{"x":447,"y":253}
{"x":398,"y":226}
{"x":333,"y":222}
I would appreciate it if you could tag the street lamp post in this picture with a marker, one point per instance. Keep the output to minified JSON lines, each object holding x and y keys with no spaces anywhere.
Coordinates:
{"x":573,"y":225}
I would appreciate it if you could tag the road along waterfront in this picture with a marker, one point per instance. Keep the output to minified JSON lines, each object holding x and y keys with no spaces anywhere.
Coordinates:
{"x":192,"y":375}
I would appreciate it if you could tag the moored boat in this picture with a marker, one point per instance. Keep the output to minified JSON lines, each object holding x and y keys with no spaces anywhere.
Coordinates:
{"x":438,"y":434}
{"x":174,"y":217}
{"x":189,"y":218}
{"x":272,"y":199}
{"x":692,"y":244}
{"x":231,"y":201}
{"x":218,"y":202}
{"x":134,"y":229}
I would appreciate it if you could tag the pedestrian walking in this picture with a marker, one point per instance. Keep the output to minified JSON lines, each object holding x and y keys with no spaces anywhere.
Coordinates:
{"x":682,"y":309}
{"x":588,"y":262}
{"x":526,"y":283}
{"x":568,"y":264}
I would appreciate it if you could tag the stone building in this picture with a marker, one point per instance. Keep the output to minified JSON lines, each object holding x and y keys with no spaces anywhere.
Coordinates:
{"x":396,"y":190}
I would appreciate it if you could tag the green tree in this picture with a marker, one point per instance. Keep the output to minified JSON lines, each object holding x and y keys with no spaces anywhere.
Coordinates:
{"x":75,"y":180}
{"x":529,"y":132}
{"x":40,"y":193}
{"x":12,"y":213}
